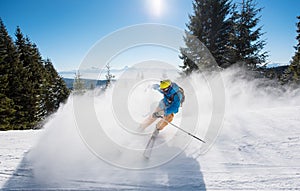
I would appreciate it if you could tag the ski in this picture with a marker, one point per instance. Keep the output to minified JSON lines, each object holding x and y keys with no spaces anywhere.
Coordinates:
{"x":149,"y":146}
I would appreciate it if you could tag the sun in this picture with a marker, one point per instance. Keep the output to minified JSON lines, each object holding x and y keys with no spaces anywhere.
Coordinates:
{"x":156,"y":7}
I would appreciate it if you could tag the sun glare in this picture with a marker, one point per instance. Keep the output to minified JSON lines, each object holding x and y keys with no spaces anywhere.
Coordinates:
{"x":156,"y":7}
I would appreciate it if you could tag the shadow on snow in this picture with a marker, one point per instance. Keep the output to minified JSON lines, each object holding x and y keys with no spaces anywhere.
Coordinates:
{"x":181,"y":173}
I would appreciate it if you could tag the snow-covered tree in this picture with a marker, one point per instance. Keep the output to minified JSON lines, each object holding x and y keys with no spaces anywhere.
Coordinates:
{"x":78,"y":86}
{"x":292,"y":73}
{"x":57,"y":92}
{"x":109,"y":77}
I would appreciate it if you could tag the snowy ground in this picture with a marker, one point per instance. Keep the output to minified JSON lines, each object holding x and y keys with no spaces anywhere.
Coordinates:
{"x":257,"y":149}
{"x":257,"y":153}
{"x":14,"y":146}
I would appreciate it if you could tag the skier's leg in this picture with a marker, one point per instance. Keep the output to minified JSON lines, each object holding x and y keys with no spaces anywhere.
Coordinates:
{"x":151,"y":119}
{"x":164,"y":122}
{"x":147,"y":122}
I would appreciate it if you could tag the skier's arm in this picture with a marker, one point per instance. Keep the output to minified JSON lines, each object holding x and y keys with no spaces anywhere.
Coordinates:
{"x":155,"y":86}
{"x":173,"y":107}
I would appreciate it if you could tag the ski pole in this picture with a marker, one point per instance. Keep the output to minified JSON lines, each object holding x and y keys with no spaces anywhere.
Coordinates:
{"x":182,"y":130}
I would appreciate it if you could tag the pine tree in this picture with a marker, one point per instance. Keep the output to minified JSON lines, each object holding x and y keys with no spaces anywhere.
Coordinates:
{"x":28,"y":85}
{"x":34,"y":76}
{"x":92,"y":86}
{"x":108,"y":76}
{"x":56,"y":91}
{"x":292,"y":73}
{"x":25,"y":112}
{"x":44,"y":89}
{"x":209,"y":25}
{"x":244,"y":42}
{"x":79,"y":87}
{"x":6,"y":114}
{"x":39,"y":80}
{"x":7,"y":110}
{"x":11,"y":84}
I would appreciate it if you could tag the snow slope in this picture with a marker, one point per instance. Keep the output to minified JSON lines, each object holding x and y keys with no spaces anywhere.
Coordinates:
{"x":14,"y":145}
{"x":257,"y":147}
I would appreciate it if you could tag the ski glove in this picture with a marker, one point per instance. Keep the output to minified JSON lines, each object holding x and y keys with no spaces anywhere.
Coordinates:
{"x":155,"y":86}
{"x":158,"y":114}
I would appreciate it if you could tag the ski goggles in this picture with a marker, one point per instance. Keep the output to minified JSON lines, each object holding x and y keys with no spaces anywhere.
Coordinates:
{"x":166,"y":89}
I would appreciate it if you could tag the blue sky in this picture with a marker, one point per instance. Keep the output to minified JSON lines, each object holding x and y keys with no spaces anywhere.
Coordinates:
{"x":65,"y":30}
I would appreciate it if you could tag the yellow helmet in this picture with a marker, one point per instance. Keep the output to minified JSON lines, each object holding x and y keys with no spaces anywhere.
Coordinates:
{"x":165,"y":84}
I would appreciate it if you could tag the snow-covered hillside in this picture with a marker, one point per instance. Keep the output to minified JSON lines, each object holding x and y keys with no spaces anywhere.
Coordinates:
{"x":257,"y":147}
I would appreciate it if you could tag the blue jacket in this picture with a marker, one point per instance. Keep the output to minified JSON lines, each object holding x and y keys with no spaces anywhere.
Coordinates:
{"x":172,"y":99}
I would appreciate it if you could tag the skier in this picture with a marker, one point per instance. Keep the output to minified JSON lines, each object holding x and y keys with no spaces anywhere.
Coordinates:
{"x":168,"y":106}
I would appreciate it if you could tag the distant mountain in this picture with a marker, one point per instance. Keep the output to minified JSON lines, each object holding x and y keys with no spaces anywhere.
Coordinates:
{"x":92,"y":73}
{"x":88,"y":83}
{"x":274,"y":65}
{"x":99,"y":74}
